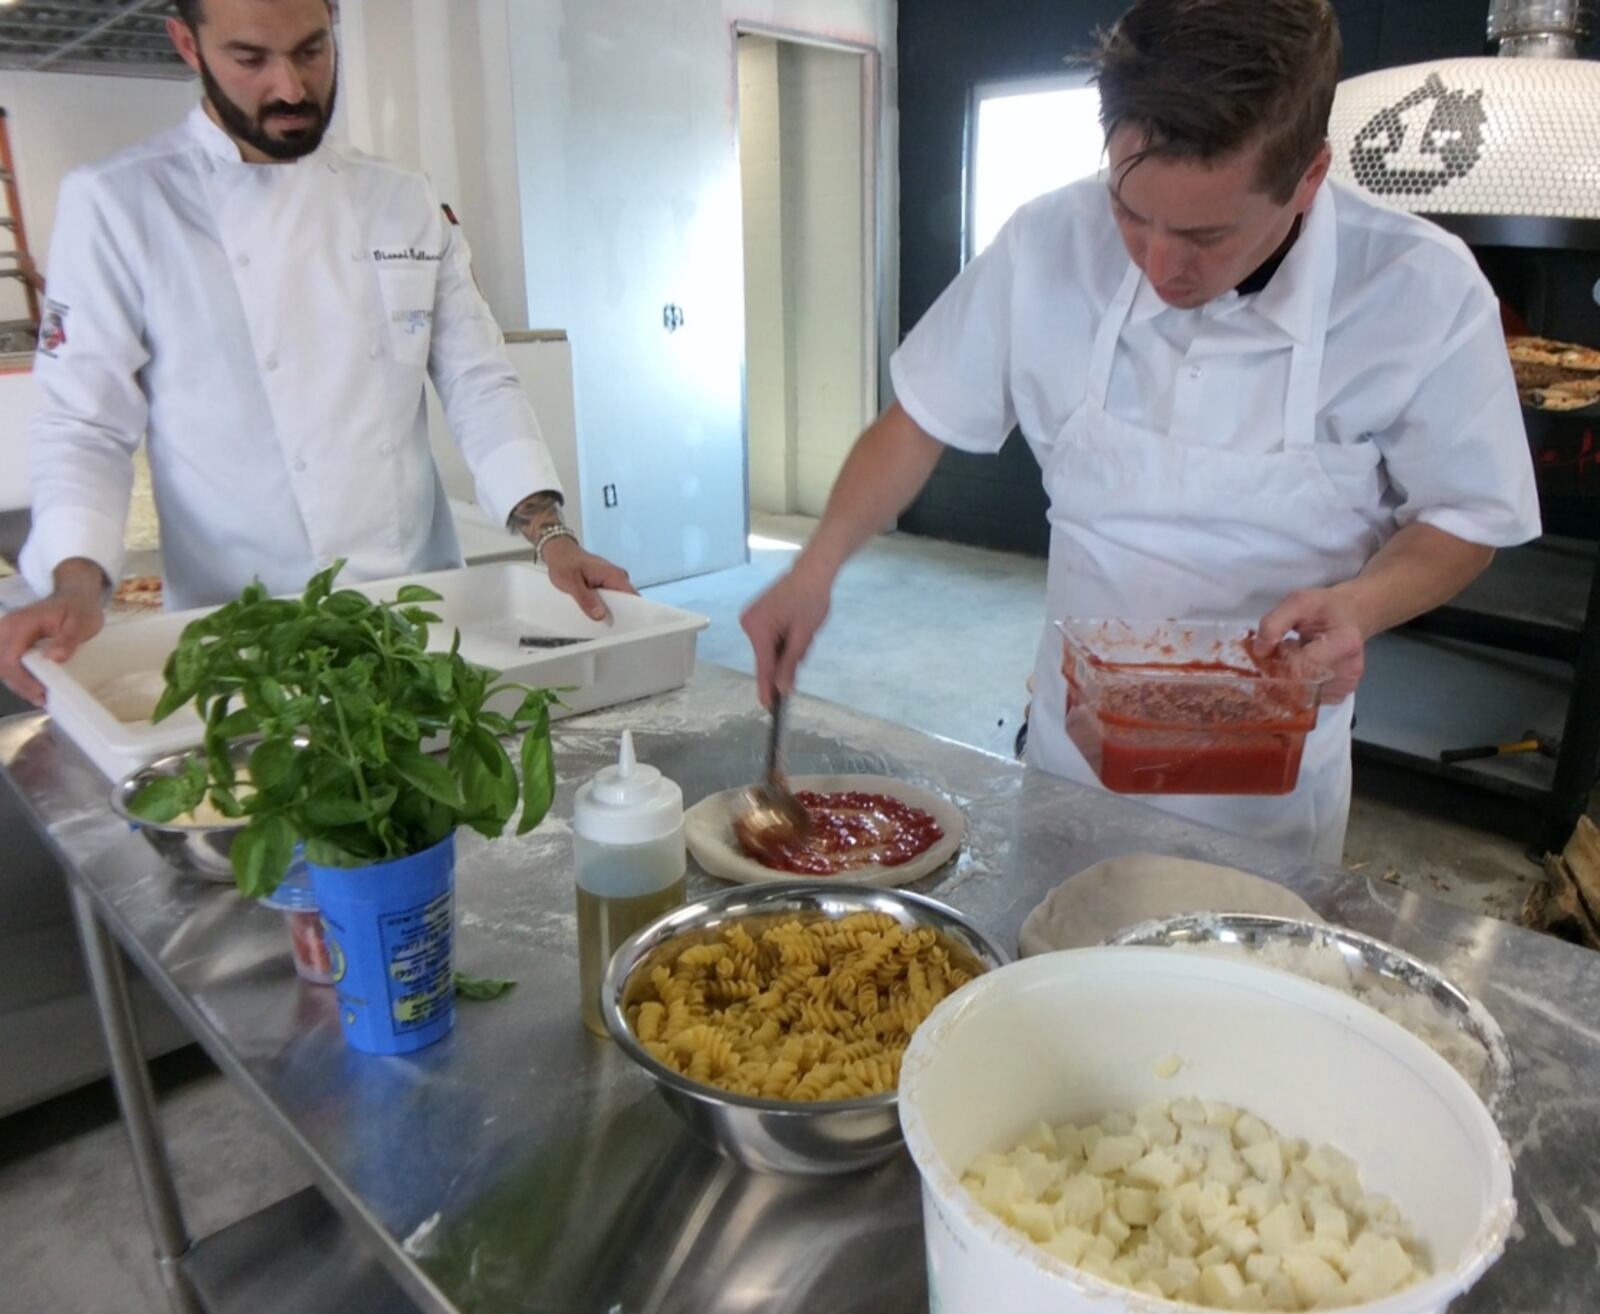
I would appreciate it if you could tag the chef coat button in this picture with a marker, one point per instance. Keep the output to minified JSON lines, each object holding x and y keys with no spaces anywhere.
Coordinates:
{"x":387,"y":449}
{"x":1194,"y":371}
{"x":375,"y":350}
{"x":271,"y":362}
{"x":358,"y":255}
{"x":241,"y":260}
{"x":299,"y":467}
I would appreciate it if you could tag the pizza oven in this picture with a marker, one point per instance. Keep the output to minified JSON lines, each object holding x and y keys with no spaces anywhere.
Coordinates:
{"x":1505,"y":153}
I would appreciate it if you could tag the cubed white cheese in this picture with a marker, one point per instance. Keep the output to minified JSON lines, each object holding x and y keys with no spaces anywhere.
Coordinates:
{"x":1136,"y":1206}
{"x":1265,"y":1159}
{"x":1157,"y":1168}
{"x":1115,"y":1153}
{"x":1314,"y":1279}
{"x":1221,"y":1285}
{"x":1083,"y":1199}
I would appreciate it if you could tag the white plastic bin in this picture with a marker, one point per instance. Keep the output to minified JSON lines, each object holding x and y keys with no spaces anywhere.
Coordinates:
{"x":646,"y":648}
{"x":1075,"y":1035}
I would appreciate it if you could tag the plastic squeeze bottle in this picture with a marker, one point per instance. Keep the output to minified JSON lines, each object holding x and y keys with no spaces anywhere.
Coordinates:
{"x":627,"y":841}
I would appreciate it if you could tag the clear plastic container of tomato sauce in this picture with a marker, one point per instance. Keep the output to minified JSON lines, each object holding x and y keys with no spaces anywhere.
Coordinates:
{"x":297,"y":901}
{"x":1182,"y":707}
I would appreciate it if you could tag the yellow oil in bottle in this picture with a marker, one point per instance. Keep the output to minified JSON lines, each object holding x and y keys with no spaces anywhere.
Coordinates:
{"x":629,"y":862}
{"x":603,"y":924}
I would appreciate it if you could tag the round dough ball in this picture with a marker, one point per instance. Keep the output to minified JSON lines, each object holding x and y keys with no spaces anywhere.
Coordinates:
{"x":1099,"y":901}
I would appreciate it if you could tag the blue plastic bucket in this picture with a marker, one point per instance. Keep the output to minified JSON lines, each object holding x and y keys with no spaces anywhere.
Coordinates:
{"x":390,"y":931}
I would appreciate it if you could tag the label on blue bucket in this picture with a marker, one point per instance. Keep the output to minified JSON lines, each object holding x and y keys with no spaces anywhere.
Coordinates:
{"x":416,"y":946}
{"x":389,"y":930}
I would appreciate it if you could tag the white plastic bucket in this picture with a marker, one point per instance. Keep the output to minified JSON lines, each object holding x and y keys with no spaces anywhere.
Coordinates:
{"x":1073,"y":1036}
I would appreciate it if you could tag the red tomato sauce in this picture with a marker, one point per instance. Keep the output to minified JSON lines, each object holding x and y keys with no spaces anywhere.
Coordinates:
{"x":852,"y":830}
{"x":1242,"y":736}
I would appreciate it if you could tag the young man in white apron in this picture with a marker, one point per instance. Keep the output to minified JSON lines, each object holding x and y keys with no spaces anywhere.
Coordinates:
{"x":1253,"y":395}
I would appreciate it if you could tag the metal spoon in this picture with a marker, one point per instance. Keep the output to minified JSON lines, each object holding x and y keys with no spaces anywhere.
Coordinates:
{"x":771,"y":816}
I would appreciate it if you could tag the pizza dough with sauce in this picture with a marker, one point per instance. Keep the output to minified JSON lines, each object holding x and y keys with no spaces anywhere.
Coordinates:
{"x":1089,"y":908}
{"x":708,"y":830}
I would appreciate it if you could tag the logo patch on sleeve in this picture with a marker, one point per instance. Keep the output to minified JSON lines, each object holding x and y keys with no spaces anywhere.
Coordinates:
{"x":52,"y":328}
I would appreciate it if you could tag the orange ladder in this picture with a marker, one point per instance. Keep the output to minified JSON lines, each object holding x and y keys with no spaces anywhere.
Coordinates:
{"x":24,"y":268}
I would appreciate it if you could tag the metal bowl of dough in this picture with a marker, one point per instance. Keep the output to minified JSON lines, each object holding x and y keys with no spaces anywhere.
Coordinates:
{"x":771,"y":1135}
{"x":1412,"y":993}
{"x":195,"y":849}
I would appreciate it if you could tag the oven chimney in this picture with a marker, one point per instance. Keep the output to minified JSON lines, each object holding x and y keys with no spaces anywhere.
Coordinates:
{"x":1539,"y":29}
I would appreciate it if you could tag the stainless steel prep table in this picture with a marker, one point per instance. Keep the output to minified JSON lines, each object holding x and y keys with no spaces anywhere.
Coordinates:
{"x":523,"y":1165}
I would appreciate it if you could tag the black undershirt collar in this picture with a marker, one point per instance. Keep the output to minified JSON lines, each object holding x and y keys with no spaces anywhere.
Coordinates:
{"x":1262,"y":274}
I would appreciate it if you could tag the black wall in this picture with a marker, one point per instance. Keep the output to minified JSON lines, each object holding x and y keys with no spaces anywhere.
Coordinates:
{"x":948,"y":45}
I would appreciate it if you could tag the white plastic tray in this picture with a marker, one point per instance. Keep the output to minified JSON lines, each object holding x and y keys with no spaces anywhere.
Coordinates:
{"x":646,"y":648}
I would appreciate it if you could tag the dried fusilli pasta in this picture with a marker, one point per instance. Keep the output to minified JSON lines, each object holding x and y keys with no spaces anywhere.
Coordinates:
{"x":819,"y":1010}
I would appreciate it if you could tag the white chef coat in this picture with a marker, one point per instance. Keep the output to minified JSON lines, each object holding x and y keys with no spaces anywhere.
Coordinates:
{"x":1374,"y":353}
{"x":267,"y":327}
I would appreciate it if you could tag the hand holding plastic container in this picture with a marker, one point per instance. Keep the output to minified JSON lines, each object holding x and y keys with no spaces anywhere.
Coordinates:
{"x":1183,"y":707}
{"x":628,"y":849}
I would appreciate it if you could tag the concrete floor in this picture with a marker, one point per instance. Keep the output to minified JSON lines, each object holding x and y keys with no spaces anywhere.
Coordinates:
{"x":953,"y":662}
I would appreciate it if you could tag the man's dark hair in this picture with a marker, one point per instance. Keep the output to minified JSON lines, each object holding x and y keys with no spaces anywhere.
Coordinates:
{"x":1203,"y":79}
{"x":191,"y":11}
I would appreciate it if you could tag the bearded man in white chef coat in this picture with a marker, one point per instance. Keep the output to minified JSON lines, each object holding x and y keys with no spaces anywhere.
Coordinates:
{"x":263,"y":306}
{"x":1253,"y":394}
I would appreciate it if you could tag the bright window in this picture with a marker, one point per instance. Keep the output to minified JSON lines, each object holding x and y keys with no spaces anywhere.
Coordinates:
{"x":1028,"y":138}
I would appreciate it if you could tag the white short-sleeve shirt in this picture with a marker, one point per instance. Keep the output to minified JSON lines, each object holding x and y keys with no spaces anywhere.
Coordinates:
{"x":1415,"y":358}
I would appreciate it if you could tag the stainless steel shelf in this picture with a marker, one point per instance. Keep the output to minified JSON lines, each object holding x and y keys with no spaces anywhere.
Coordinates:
{"x":1422,"y":694}
{"x":294,"y":1257}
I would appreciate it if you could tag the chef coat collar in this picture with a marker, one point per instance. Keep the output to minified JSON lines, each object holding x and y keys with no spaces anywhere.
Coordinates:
{"x":217,"y":145}
{"x":1287,"y":300}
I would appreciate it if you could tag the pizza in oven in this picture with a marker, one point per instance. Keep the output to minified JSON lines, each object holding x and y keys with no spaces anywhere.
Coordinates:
{"x":1554,"y":376}
{"x":138,"y":593}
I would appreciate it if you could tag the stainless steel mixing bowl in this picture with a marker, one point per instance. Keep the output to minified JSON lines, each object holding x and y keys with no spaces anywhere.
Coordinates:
{"x":833,"y":1136}
{"x":1372,"y":964}
{"x":201,"y":851}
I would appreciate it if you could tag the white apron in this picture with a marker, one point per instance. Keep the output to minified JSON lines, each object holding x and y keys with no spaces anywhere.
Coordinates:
{"x":1144,"y":527}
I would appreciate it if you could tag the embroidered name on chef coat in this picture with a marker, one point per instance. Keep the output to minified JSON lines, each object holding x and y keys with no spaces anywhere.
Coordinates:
{"x":406,"y":253}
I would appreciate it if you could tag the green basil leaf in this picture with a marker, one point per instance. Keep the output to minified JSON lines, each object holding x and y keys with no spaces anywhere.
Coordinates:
{"x":444,"y":675}
{"x":488,"y":780}
{"x":321,"y":583}
{"x":496,"y":723}
{"x":162,"y":800}
{"x":417,"y":593}
{"x":429,"y":776}
{"x":194,"y":773}
{"x":535,"y":708}
{"x":238,"y":724}
{"x":261,"y":855}
{"x":335,"y":810}
{"x":327,"y":851}
{"x":538,"y":773}
{"x":227,"y":802}
{"x":271,"y":761}
{"x":478,"y":988}
{"x":172,"y":698}
{"x":402,"y":725}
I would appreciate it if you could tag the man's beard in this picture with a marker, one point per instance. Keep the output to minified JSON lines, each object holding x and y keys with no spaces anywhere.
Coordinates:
{"x":253,"y":131}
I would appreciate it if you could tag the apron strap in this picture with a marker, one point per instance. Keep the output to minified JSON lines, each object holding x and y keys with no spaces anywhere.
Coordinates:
{"x":1305,"y":364}
{"x":1097,"y":384}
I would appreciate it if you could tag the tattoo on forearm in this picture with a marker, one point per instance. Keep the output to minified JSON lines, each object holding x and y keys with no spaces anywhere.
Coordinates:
{"x":535,"y":513}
